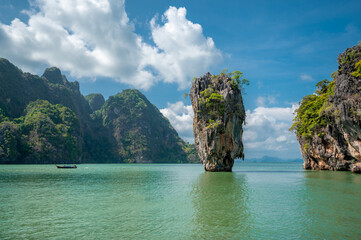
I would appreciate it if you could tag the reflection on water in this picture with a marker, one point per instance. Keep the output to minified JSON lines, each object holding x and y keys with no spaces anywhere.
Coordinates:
{"x":332,"y":207}
{"x":220,"y":206}
{"x":96,"y":202}
{"x":103,"y":201}
{"x":334,"y":177}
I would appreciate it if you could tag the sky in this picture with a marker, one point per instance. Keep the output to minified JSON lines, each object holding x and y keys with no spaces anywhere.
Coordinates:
{"x":282,"y":47}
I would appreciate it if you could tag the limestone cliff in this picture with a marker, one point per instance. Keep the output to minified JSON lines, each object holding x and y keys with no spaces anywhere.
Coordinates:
{"x":328,"y":123}
{"x":140,"y":131}
{"x":218,"y":118}
{"x":18,"y":89}
{"x":47,"y":120}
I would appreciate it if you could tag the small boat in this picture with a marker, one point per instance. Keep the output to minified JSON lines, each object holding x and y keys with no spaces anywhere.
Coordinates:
{"x":66,"y":166}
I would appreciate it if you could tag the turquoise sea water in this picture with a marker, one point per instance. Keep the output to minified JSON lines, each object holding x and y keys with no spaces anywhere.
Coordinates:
{"x":121,"y":201}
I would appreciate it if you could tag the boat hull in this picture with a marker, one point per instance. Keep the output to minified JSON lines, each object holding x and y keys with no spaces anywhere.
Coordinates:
{"x":66,"y":166}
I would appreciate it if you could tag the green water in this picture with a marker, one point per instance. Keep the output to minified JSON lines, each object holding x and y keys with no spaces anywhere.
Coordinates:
{"x":256,"y":201}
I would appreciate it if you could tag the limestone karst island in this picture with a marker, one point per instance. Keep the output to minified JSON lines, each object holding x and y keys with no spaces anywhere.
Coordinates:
{"x":47,"y":120}
{"x":218,"y":119}
{"x":328,"y":122}
{"x":163,"y":119}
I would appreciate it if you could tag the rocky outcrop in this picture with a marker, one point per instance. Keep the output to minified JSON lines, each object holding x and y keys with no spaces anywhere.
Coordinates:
{"x":95,"y":100}
{"x":18,"y":89}
{"x":54,"y":76}
{"x":66,"y":126}
{"x":330,"y":135}
{"x":141,"y":133}
{"x":218,"y":118}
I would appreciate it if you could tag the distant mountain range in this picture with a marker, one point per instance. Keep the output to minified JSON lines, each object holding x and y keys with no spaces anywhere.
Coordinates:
{"x":47,"y":120}
{"x":268,"y":159}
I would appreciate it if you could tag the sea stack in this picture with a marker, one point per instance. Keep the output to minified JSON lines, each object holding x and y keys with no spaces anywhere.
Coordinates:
{"x":218,"y":118}
{"x":328,"y":123}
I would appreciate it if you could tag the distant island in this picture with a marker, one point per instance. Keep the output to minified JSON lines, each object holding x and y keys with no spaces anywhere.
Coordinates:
{"x":269,"y":159}
{"x":47,"y":120}
{"x":328,"y":122}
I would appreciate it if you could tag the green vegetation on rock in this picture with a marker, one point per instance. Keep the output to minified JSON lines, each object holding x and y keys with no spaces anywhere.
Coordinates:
{"x":357,"y":71}
{"x":95,"y":100}
{"x":141,"y":132}
{"x":327,"y":123}
{"x":212,"y":103}
{"x":237,"y":80}
{"x":311,"y":114}
{"x":218,"y":118}
{"x":317,"y":111}
{"x":350,"y":57}
{"x":3,"y":117}
{"x":191,"y":152}
{"x":46,"y":134}
{"x":47,"y":120}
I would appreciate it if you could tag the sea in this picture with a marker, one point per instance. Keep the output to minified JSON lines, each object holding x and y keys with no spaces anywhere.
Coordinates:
{"x":178,"y":201}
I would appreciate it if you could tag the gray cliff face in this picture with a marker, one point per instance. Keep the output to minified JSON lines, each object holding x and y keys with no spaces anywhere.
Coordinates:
{"x":337,"y":144}
{"x":217,"y":123}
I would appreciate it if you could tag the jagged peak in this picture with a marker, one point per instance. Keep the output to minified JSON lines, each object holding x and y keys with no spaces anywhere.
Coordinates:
{"x":95,"y":101}
{"x":7,"y":66}
{"x":134,"y":91}
{"x":126,"y":93}
{"x":5,"y":61}
{"x":53,"y":75}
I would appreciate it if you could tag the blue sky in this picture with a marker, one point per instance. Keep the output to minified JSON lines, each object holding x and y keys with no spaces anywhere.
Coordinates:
{"x":283,"y":47}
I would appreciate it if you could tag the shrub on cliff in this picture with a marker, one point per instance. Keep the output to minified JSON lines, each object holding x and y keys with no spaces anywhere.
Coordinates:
{"x":211,"y":103}
{"x":357,"y":71}
{"x":218,"y":118}
{"x":311,"y":113}
{"x":141,"y":132}
{"x":46,"y":134}
{"x":328,"y":123}
{"x":125,"y":128}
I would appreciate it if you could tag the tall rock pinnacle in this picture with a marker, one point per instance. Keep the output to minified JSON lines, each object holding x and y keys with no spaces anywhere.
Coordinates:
{"x":218,"y":118}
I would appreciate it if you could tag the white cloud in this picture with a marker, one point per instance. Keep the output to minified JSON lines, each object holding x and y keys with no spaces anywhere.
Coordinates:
{"x":184,"y":52}
{"x":266,"y":133}
{"x":306,"y":77}
{"x":261,"y":101}
{"x":267,"y":100}
{"x":181,"y":118}
{"x":95,"y":38}
{"x":272,"y":100}
{"x":282,"y":138}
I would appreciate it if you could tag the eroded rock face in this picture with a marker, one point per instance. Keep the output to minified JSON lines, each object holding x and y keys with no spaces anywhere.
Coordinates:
{"x":336,"y":144}
{"x":217,"y":123}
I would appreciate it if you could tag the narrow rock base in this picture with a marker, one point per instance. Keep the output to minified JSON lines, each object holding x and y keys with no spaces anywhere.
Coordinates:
{"x":219,"y":166}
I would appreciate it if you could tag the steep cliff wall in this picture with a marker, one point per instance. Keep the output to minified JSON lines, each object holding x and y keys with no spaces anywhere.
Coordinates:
{"x":140,"y":131}
{"x":328,"y":123}
{"x":218,"y":118}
